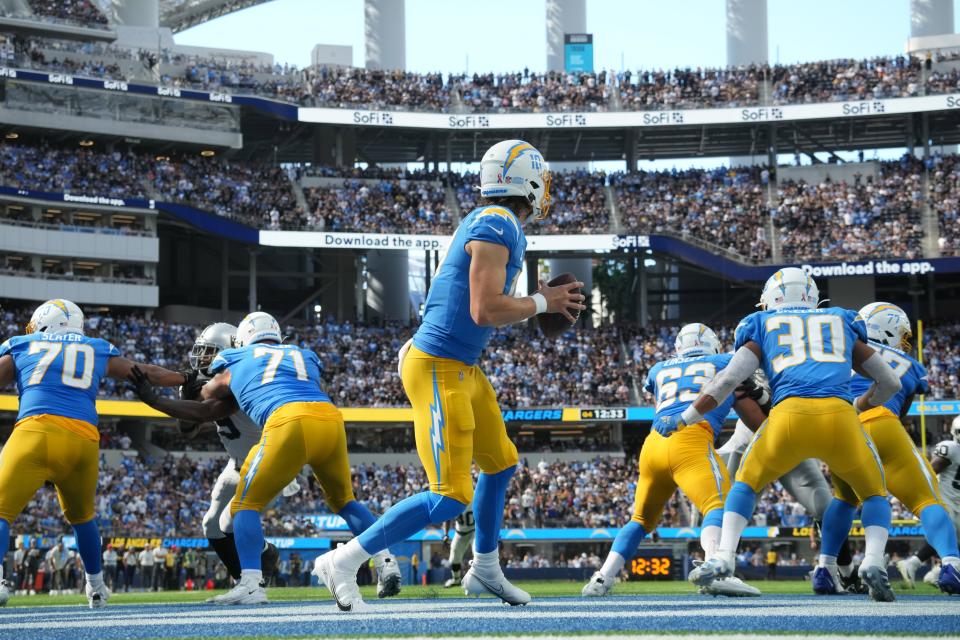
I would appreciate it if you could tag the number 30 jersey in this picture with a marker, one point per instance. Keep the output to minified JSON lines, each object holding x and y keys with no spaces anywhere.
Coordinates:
{"x":264,"y":377}
{"x":238,"y":433}
{"x":807,"y":353}
{"x":59,"y":374}
{"x":677,"y":382}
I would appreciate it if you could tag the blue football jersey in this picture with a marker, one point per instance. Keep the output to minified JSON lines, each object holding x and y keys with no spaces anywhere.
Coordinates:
{"x":59,"y":374}
{"x":807,"y":353}
{"x":264,"y":377}
{"x":913,"y":377}
{"x":677,"y":382}
{"x":447,"y":330}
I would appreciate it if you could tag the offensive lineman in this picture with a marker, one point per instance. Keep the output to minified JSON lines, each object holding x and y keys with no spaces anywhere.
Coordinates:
{"x":908,"y":475}
{"x":686,"y":459}
{"x":456,"y":416}
{"x":946,"y":464}
{"x":807,"y":354}
{"x":278,"y":385}
{"x":58,"y":372}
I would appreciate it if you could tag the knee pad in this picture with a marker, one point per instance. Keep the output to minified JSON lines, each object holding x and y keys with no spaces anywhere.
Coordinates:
{"x":226,"y":522}
{"x":211,"y":524}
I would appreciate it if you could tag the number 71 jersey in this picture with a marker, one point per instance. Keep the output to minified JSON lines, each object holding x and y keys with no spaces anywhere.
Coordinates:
{"x":677,"y":382}
{"x":59,"y":374}
{"x":807,"y":353}
{"x":264,"y":377}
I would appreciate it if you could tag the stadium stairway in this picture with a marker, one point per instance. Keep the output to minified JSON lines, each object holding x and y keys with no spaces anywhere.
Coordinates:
{"x":930,"y":221}
{"x":615,"y":225}
{"x":453,"y":204}
{"x":298,"y":192}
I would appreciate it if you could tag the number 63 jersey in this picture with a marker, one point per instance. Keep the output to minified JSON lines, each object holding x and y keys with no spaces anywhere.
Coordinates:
{"x":59,"y":374}
{"x":807,"y":353}
{"x":677,"y":382}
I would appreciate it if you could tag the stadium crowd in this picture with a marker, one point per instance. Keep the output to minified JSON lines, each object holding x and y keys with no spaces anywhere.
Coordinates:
{"x":945,"y":200}
{"x":84,"y":12}
{"x":881,"y":77}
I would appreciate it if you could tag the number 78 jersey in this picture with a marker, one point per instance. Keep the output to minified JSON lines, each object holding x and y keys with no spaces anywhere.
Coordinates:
{"x":677,"y":382}
{"x":59,"y":374}
{"x":264,"y":377}
{"x":807,"y":353}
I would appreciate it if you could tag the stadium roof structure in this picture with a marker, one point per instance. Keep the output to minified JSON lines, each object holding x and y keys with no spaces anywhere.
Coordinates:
{"x":180,"y":15}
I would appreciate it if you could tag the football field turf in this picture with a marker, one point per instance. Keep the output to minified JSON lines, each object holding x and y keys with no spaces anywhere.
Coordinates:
{"x":786,"y":609}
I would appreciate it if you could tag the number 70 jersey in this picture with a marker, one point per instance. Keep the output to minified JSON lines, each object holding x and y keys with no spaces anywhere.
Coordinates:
{"x":264,"y":377}
{"x":807,"y":353}
{"x":59,"y":374}
{"x":677,"y":382}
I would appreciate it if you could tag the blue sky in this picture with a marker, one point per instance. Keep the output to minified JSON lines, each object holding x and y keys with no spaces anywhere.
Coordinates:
{"x":506,"y":35}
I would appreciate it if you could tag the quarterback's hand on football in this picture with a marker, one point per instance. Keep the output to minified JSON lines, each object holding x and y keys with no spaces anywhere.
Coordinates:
{"x":142,"y":386}
{"x":755,"y":388}
{"x":563,"y":298}
{"x":666,"y":425}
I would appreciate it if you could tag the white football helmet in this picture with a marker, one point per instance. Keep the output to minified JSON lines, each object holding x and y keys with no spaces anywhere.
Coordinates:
{"x":516,"y":168}
{"x":258,"y":326}
{"x":209,"y":343}
{"x":696,"y":340}
{"x":955,"y":429}
{"x":789,"y":287}
{"x":56,"y":316}
{"x":887,"y":324}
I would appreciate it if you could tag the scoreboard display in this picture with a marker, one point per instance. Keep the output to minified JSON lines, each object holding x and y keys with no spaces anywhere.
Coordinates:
{"x":653,"y":564}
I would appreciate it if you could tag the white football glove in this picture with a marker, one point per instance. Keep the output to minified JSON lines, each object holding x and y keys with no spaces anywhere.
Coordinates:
{"x":291,"y":489}
{"x":403,"y":354}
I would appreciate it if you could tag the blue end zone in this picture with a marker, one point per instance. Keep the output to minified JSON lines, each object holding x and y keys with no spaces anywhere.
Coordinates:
{"x":910,"y":615}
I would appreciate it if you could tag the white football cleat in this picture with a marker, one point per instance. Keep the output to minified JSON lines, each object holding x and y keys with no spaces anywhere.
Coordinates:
{"x":490,"y":579}
{"x":449,"y":583}
{"x":245,"y":592}
{"x":716,"y":568}
{"x":932,"y":577}
{"x":388,"y":575}
{"x":908,"y":571}
{"x":598,"y":586}
{"x":731,"y":587}
{"x":5,"y":592}
{"x":97,"y":596}
{"x":341,"y":584}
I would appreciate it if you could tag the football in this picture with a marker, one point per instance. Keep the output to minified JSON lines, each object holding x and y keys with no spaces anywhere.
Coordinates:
{"x":553,"y":325}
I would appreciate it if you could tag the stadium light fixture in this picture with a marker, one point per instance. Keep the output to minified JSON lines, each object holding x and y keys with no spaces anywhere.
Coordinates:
{"x":208,"y":153}
{"x":162,"y":158}
{"x":12,"y":135}
{"x":86,"y":143}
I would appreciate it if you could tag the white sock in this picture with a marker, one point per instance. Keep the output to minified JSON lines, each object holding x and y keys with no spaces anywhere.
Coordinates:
{"x":875,"y":543}
{"x":710,"y":540}
{"x":95,"y":579}
{"x":733,"y":526}
{"x":613,"y":565}
{"x":490,"y":559}
{"x":251,"y":575}
{"x":827,"y":561}
{"x":351,"y":555}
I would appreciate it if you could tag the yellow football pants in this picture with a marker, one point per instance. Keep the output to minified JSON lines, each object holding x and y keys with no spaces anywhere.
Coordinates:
{"x":824,"y":428}
{"x":910,"y":478}
{"x":297,"y":434}
{"x":48,"y":448}
{"x":456,"y":421}
{"x":686,"y":459}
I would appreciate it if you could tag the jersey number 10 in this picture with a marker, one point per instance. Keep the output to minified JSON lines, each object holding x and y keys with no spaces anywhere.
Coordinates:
{"x":68,"y":372}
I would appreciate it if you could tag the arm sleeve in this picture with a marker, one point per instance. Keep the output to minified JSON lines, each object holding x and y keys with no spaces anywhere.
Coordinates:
{"x":495,"y":228}
{"x":748,"y":331}
{"x":5,"y":348}
{"x":650,"y":384}
{"x":315,"y":360}
{"x":923,"y":381}
{"x":887,"y":382}
{"x":742,"y":365}
{"x":219,"y":363}
{"x":112,"y":351}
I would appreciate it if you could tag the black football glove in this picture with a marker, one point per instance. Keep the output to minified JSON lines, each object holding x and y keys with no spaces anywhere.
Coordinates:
{"x":142,"y":386}
{"x":755,"y":387}
{"x":190,"y":389}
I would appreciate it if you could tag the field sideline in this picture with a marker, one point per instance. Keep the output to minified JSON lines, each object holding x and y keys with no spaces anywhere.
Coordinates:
{"x":639,"y":609}
{"x":541,"y":589}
